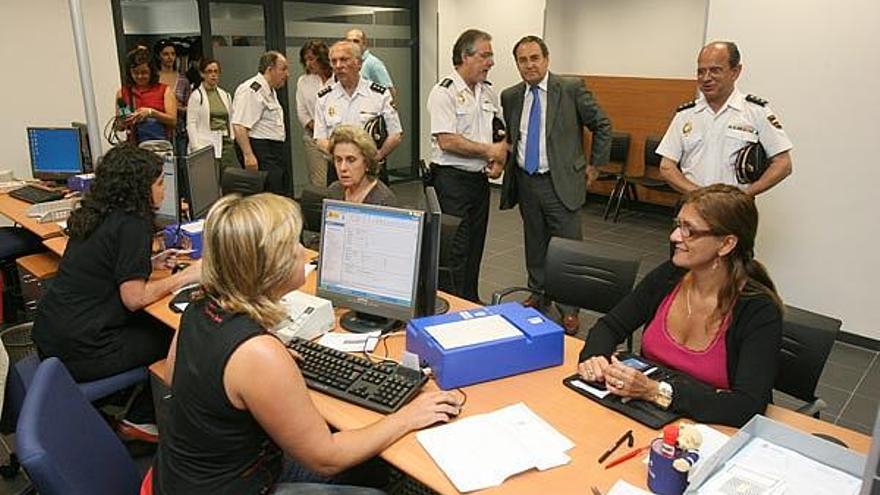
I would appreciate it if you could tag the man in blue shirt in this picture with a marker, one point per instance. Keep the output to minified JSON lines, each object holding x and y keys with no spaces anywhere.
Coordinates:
{"x":372,"y":67}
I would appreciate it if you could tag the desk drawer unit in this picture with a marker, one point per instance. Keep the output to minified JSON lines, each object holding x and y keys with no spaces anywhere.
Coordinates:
{"x":35,"y":272}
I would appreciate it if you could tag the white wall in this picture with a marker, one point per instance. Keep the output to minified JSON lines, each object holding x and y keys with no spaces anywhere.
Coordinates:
{"x":820,"y":229}
{"x":41,"y":85}
{"x":643,"y":38}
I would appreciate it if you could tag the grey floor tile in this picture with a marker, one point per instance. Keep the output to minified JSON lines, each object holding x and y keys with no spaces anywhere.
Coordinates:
{"x":840,"y":376}
{"x":861,"y":409}
{"x":870,"y":386}
{"x":848,"y":355}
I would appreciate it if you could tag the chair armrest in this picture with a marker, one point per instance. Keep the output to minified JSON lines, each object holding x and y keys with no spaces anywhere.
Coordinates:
{"x":813,"y":408}
{"x":501,"y":294}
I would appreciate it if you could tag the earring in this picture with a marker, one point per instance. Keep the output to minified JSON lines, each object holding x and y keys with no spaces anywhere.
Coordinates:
{"x":715,"y":263}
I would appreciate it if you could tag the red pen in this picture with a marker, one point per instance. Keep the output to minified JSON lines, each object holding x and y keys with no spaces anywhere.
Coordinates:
{"x":627,"y":456}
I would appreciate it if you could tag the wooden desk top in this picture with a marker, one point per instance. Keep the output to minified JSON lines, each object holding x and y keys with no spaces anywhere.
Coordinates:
{"x":16,"y":210}
{"x":57,"y":244}
{"x":590,"y":426}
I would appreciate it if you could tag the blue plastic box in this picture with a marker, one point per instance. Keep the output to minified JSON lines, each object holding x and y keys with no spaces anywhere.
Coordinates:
{"x":186,"y":236}
{"x":81,"y":182}
{"x":539,"y":346}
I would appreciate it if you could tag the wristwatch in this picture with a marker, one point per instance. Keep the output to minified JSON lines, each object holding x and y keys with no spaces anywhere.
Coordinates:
{"x":664,"y":395}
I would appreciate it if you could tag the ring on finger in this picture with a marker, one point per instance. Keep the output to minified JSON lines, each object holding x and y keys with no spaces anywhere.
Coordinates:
{"x":619,"y":384}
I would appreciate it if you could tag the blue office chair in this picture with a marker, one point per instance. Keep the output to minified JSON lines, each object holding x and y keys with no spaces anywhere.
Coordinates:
{"x":64,"y":444}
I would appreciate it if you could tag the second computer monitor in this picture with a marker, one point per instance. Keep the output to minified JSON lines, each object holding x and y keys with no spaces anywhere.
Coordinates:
{"x":55,"y":152}
{"x":370,"y":257}
{"x":203,"y":180}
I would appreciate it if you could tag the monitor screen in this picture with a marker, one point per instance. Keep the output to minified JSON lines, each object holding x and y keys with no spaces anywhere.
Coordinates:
{"x":55,"y":152}
{"x":370,"y":258}
{"x":203,"y":180}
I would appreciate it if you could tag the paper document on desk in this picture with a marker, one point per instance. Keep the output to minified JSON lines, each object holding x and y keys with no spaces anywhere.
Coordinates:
{"x":768,"y":469}
{"x":472,"y":331}
{"x":482,"y":451}
{"x":624,"y":488}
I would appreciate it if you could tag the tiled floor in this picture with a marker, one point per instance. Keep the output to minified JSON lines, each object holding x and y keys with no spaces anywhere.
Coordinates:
{"x":850,"y":382}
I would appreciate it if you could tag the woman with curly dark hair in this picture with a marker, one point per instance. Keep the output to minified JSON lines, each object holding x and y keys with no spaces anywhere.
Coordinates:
{"x":91,"y":316}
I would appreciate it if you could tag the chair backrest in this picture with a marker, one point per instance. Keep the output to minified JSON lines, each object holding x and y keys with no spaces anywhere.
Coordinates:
{"x":619,"y":147}
{"x":65,"y":445}
{"x":652,"y":159}
{"x":311,"y":201}
{"x":588,"y":274}
{"x":448,"y":264}
{"x":806,"y":342}
{"x":242,"y":181}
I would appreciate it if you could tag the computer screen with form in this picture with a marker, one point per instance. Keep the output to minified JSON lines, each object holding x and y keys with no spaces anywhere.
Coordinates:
{"x":370,"y":261}
{"x":55,"y":152}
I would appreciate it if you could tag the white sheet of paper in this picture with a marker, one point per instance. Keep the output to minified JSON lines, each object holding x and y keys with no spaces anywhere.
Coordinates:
{"x":482,"y":451}
{"x":350,"y":342}
{"x":472,"y":331}
{"x":624,"y":488}
{"x":590,"y":389}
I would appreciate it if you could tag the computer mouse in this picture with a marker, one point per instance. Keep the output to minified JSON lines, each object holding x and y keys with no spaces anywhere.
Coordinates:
{"x":178,"y":267}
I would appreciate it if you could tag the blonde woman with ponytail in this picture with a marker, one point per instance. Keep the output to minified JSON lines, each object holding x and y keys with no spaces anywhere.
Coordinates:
{"x":711,"y":314}
{"x":240,"y":410}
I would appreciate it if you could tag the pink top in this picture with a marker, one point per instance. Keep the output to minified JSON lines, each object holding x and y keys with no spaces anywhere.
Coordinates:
{"x":708,"y":366}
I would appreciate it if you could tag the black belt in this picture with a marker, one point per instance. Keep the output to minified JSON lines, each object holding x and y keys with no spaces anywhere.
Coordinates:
{"x":436,"y":166}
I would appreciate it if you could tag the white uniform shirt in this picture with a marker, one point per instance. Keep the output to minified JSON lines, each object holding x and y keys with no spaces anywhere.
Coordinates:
{"x":256,"y":107}
{"x":455,"y":109}
{"x":335,"y":107}
{"x":307,"y":87}
{"x":705,"y":143}
{"x":543,"y":164}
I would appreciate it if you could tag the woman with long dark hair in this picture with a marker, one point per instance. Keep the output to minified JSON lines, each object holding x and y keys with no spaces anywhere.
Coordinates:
{"x":148,"y":107}
{"x":91,"y":317}
{"x":711,"y":314}
{"x":315,"y":59}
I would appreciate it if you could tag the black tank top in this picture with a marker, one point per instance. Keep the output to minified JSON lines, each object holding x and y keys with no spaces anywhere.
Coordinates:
{"x":208,"y":446}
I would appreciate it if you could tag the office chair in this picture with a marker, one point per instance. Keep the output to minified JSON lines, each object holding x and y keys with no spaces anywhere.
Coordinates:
{"x":616,"y":166}
{"x":629,"y":183}
{"x":242,"y":181}
{"x":425,"y":174}
{"x":64,"y":444}
{"x":448,"y":265}
{"x":588,"y":275}
{"x":807,"y":338}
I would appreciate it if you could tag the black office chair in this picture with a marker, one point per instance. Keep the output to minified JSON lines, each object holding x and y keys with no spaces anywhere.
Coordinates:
{"x":629,"y":183}
{"x":616,"y":167}
{"x":425,"y":174}
{"x":807,"y":338}
{"x":242,"y":181}
{"x":448,"y":265}
{"x":311,"y":203}
{"x":588,"y":275}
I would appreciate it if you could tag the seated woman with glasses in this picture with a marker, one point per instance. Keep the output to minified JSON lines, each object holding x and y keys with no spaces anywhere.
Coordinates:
{"x":239,"y":403}
{"x":354,"y":156}
{"x":711,"y":314}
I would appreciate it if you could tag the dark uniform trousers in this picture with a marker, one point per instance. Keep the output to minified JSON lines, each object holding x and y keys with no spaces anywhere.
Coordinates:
{"x":271,"y":158}
{"x":465,"y":195}
{"x":544,"y":216}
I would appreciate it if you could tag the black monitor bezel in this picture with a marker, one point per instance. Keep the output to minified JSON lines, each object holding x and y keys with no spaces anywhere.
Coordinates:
{"x":200,"y":213}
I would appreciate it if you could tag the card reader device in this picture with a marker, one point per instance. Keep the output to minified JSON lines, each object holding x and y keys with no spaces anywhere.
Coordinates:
{"x":308,"y":317}
{"x":483,"y":344}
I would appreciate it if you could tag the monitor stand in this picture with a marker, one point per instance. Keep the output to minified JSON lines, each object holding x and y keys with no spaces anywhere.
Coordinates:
{"x":357,"y":322}
{"x":441,"y":305}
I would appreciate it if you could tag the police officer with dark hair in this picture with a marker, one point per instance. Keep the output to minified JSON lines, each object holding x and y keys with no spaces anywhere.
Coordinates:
{"x":258,"y":121}
{"x":463,"y":107}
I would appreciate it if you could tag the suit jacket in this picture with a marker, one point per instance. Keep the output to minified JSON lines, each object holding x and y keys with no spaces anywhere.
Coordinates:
{"x":570,"y":107}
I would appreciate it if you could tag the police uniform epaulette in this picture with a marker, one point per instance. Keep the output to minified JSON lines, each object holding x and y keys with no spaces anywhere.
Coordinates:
{"x":488,"y":83}
{"x":446,"y":82}
{"x":686,"y":105}
{"x":378,"y":88}
{"x":324,"y":91}
{"x":757,"y":100}
{"x":255,"y":86}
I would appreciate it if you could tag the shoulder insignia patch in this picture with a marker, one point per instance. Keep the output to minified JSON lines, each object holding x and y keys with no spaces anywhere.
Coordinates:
{"x":774,"y":121}
{"x":446,"y":82}
{"x":378,"y":88}
{"x":324,"y":91}
{"x":255,"y":86}
{"x":756,"y":100}
{"x":686,"y":105}
{"x":488,"y":83}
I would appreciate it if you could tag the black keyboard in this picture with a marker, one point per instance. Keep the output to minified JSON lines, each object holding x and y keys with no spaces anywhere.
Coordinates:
{"x":33,"y":194}
{"x":382,"y":387}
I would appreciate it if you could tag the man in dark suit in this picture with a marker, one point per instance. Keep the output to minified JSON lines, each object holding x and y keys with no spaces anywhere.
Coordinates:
{"x":546,"y":171}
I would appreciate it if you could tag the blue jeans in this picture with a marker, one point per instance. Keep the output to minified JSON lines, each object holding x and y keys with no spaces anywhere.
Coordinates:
{"x":297,"y":480}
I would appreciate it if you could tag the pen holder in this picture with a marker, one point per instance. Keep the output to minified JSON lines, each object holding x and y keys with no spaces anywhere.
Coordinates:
{"x":664,"y":479}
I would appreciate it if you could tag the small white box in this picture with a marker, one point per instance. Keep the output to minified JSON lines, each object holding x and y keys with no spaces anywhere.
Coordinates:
{"x":308,"y":317}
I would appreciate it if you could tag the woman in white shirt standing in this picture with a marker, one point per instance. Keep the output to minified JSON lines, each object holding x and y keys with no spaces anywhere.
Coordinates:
{"x":208,"y":120}
{"x":314,"y":57}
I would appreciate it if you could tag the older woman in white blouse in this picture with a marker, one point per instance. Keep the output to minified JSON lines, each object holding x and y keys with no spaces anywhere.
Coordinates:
{"x":314,"y":57}
{"x":208,"y":120}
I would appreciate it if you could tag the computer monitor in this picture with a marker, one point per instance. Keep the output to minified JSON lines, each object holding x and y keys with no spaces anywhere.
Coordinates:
{"x":203,"y":180}
{"x":369,"y":263}
{"x":427,"y":302}
{"x":55,"y":152}
{"x":85,"y":147}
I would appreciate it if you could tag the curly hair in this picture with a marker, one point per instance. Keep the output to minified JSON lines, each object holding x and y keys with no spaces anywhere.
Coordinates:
{"x":123,"y":180}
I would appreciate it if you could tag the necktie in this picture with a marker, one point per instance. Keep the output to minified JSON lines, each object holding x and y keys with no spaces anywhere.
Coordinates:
{"x":533,"y":139}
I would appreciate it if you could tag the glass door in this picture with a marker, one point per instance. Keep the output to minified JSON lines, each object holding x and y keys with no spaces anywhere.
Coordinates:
{"x":238,"y":39}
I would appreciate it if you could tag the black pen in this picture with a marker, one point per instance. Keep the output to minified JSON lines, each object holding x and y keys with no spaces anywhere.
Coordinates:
{"x":626,"y":437}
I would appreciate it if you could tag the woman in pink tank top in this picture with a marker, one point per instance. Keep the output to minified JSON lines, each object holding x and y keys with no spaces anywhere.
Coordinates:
{"x":711,"y":315}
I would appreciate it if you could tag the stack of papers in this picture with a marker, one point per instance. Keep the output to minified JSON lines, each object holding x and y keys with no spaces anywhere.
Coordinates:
{"x":624,"y":488}
{"x":351,"y":342}
{"x":482,"y":451}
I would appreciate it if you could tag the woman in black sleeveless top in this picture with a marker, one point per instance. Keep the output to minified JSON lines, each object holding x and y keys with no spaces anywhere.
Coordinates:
{"x":239,"y":400}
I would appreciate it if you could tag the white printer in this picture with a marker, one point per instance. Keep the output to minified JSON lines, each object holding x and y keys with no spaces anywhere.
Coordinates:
{"x":308,"y":317}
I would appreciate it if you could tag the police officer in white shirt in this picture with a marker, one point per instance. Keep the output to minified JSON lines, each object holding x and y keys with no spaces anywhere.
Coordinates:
{"x":354,"y":101}
{"x":258,"y":121}
{"x":701,"y":145}
{"x":463,"y":107}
